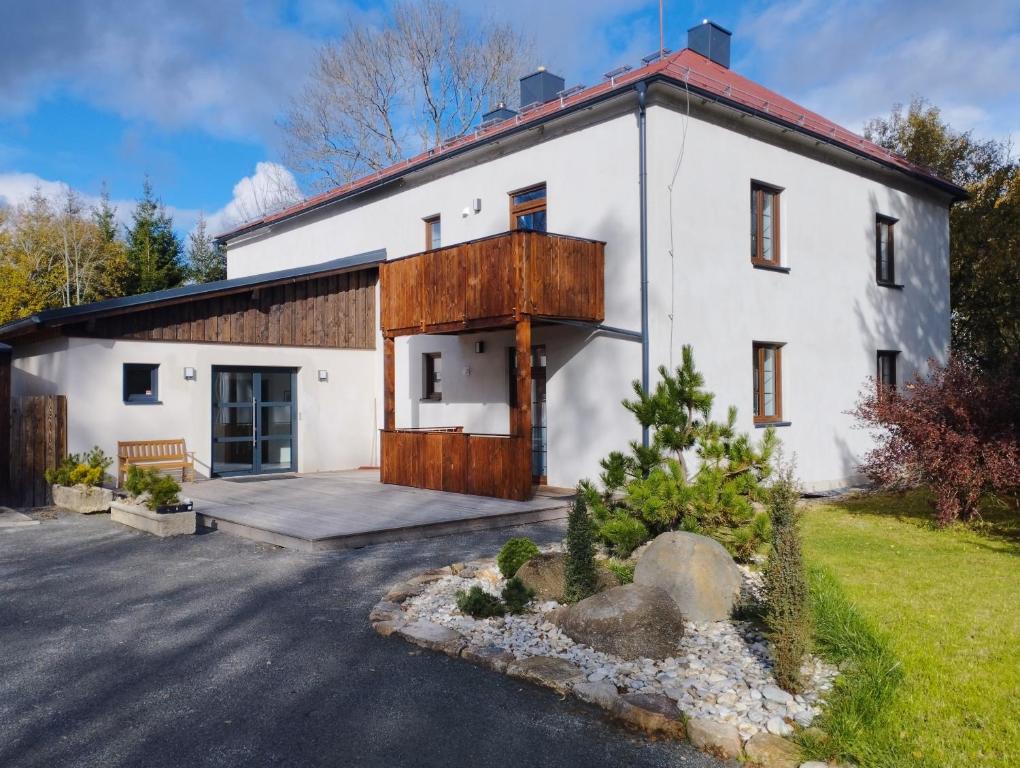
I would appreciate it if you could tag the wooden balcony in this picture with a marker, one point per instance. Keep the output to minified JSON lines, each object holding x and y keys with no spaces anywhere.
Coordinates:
{"x":492,"y":282}
{"x":449,"y":459}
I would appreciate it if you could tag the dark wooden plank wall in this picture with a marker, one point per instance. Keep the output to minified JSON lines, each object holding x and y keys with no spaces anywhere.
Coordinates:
{"x":38,"y":442}
{"x":484,"y":465}
{"x":335,"y":311}
{"x":5,"y":424}
{"x":492,"y":281}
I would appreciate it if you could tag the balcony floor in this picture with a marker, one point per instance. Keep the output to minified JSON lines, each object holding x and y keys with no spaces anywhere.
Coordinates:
{"x":338,"y":510}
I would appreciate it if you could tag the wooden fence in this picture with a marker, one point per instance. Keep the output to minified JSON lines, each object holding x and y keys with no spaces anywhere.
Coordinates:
{"x":38,"y":440}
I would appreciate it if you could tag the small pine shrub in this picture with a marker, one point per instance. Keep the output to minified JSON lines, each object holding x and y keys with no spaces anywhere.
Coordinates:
{"x":162,"y":489}
{"x":479,"y":604}
{"x":514,"y":554}
{"x":87,"y":469}
{"x":787,"y":606}
{"x":517,"y":596}
{"x":623,"y":532}
{"x":137,"y":481}
{"x":581,"y":575}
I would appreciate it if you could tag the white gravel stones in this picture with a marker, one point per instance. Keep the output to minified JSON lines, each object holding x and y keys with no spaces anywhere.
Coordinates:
{"x":722,"y":670}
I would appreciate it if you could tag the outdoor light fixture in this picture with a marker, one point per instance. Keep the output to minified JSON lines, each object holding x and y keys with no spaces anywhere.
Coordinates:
{"x":476,"y":205}
{"x":189,"y":374}
{"x":323,"y":375}
{"x":480,"y":347}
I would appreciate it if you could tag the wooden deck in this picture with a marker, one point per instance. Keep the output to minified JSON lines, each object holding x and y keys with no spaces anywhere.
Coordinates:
{"x":339,"y":510}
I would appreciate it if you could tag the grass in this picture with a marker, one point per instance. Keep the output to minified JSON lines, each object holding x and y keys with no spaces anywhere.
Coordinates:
{"x":928,"y":621}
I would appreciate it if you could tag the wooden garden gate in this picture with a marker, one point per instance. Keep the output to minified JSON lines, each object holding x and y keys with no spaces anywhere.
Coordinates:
{"x":38,"y":440}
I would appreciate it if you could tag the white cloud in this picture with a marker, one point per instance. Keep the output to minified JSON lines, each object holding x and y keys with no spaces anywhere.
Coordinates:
{"x":269,"y":189}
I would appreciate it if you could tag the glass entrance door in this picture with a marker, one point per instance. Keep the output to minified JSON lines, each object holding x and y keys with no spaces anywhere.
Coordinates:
{"x":253,"y":421}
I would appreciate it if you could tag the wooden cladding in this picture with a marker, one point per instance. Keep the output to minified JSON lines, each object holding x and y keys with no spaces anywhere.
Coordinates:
{"x":444,"y":460}
{"x":336,"y":311}
{"x":489,"y":283}
{"x":38,"y":442}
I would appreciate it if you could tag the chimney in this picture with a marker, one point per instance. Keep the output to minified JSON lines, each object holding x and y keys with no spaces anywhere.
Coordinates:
{"x":499,"y":112}
{"x":540,"y":87}
{"x":711,"y":41}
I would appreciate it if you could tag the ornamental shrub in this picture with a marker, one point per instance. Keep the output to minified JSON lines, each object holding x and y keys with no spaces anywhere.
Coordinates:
{"x":955,"y":431}
{"x":517,"y":596}
{"x":624,"y":572}
{"x":623,"y":532}
{"x":158,"y":489}
{"x":515,"y":553}
{"x":479,"y":604}
{"x":787,"y":606}
{"x":88,"y":469}
{"x":581,"y":578}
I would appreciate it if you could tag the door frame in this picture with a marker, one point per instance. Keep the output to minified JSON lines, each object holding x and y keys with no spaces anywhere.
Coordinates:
{"x":255,"y":370}
{"x":512,"y":393}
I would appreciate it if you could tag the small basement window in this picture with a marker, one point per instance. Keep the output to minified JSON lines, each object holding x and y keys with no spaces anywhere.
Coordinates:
{"x":141,"y":382}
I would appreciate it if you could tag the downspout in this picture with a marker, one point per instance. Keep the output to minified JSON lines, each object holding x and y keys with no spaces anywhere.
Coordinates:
{"x":642,"y":89}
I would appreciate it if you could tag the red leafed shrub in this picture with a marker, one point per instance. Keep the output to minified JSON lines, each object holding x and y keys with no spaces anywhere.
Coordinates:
{"x":954,"y":431}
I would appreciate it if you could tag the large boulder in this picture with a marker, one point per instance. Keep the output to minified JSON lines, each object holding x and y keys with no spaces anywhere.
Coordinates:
{"x":696,"y":571}
{"x":546,"y":575}
{"x":632,"y":621}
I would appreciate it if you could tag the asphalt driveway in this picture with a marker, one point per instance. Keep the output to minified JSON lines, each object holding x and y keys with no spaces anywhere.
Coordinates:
{"x":121,"y":649}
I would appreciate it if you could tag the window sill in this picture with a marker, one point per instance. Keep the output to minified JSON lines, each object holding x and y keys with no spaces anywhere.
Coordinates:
{"x":431,"y":400}
{"x":770,"y":267}
{"x":143,"y":402}
{"x":764,"y":424}
{"x":894,"y":286}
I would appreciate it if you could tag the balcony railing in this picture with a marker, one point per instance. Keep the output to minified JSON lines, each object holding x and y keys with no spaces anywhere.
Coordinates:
{"x":492,"y":282}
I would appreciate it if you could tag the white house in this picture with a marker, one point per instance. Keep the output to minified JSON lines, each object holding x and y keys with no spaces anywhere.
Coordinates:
{"x":696,"y":207}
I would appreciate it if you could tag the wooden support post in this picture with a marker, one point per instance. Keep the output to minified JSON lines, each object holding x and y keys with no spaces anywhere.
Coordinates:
{"x":389,"y":384}
{"x":520,"y":417}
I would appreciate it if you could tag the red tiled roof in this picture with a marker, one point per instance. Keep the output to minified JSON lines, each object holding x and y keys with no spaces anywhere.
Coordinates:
{"x":685,"y":68}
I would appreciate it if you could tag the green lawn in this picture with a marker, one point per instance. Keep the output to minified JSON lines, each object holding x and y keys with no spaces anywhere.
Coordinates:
{"x":948,"y":602}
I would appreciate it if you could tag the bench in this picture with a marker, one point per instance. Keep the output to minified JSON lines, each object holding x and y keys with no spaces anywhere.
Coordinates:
{"x":163,"y":455}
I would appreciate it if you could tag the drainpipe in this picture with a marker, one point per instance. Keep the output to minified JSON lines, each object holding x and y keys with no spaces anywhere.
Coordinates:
{"x":641,"y":89}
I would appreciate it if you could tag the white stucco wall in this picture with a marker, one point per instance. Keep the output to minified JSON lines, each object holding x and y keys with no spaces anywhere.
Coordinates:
{"x":336,"y":426}
{"x":828,"y":309}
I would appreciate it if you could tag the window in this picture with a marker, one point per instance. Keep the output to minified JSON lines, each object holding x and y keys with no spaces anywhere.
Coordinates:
{"x":768,"y":383}
{"x":885,"y":250}
{"x":141,"y":383}
{"x":527,"y":208}
{"x":432,"y":380}
{"x":433,"y":233}
{"x":764,"y":225}
{"x":886,"y":373}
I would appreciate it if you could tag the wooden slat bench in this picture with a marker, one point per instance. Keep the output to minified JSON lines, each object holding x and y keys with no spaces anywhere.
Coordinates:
{"x":167,"y":456}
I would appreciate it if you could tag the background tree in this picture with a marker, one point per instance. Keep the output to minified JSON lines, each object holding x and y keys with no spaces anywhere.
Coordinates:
{"x":153,"y":248}
{"x":105,"y":216}
{"x":984,"y":230}
{"x":378,"y":94}
{"x":207,"y":261}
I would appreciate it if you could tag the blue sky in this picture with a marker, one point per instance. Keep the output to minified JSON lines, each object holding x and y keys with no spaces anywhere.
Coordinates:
{"x":190,"y":92}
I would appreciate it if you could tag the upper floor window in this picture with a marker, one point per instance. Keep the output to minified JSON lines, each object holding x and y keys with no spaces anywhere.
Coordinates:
{"x":885,"y":250}
{"x":768,"y":382}
{"x":433,"y":233}
{"x":527,"y":208}
{"x":432,"y":380}
{"x":141,"y":383}
{"x":886,"y":372}
{"x":765,"y":224}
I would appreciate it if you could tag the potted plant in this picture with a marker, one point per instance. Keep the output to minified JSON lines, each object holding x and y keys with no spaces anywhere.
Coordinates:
{"x":154,"y":504}
{"x":77,"y":482}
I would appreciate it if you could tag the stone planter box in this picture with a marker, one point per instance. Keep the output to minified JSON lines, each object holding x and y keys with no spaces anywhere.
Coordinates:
{"x":83,"y":499}
{"x":157,"y":523}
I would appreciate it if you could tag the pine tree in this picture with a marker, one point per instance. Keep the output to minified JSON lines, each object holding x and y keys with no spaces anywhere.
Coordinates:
{"x":153,"y":248}
{"x":207,"y":260}
{"x":104,"y":216}
{"x":581,"y":576}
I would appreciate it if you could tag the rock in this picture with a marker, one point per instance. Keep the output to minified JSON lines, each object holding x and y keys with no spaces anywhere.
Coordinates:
{"x":814,"y":764}
{"x":768,"y":751}
{"x":387,"y":628}
{"x":720,"y":739}
{"x":491,"y":656}
{"x":82,"y":498}
{"x":601,"y":694}
{"x":778,"y":726}
{"x":632,"y":621}
{"x":558,"y":674}
{"x":385,"y":611}
{"x":696,"y":571}
{"x":777,"y":694}
{"x":403,"y":590}
{"x":546,"y":574}
{"x":651,"y":712}
{"x":433,"y":636}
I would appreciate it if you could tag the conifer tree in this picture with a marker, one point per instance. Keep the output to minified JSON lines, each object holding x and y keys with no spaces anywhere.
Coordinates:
{"x":153,"y":248}
{"x":104,"y":216}
{"x":581,"y":576}
{"x":206,"y":258}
